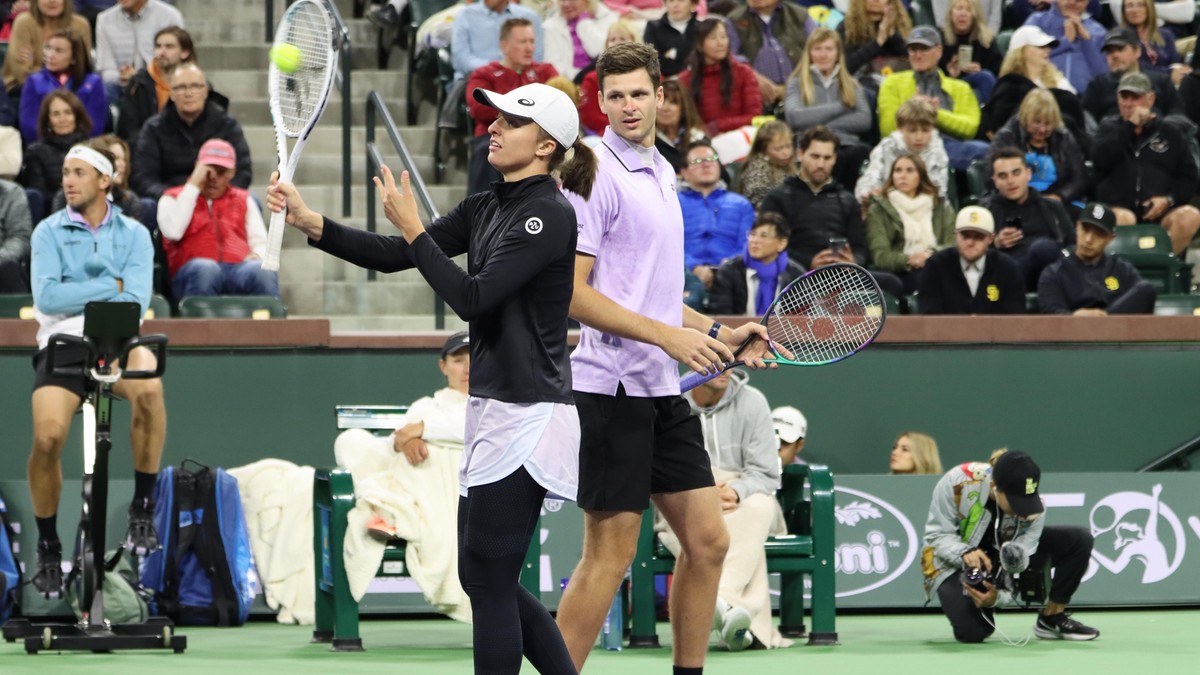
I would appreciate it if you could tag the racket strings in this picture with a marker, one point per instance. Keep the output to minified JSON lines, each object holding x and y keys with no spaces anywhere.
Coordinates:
{"x":828,"y":315}
{"x":300,"y":92}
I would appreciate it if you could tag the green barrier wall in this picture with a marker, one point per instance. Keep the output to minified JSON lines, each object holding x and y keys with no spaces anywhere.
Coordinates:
{"x":1075,"y":408}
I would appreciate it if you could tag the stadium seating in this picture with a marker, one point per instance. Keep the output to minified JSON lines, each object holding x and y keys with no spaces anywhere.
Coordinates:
{"x":807,"y":549}
{"x":1148,"y":247}
{"x":1177,"y":305}
{"x":232,"y":307}
{"x":159,"y":308}
{"x":16,"y":306}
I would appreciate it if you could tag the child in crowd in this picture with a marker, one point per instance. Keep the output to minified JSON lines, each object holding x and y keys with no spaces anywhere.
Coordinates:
{"x":771,"y":159}
{"x":915,"y":134}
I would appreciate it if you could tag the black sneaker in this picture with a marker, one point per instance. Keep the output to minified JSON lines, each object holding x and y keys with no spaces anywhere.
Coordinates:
{"x":383,"y":16}
{"x":1063,"y":627}
{"x":141,"y":539}
{"x":48,"y":580}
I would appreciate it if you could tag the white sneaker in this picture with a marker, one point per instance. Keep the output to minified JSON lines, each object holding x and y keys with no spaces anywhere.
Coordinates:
{"x":735,"y":629}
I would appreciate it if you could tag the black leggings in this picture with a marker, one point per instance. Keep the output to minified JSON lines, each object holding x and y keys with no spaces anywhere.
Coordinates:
{"x":496,"y":522}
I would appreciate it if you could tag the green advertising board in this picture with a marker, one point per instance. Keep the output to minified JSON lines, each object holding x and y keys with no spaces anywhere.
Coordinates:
{"x":1143,"y":524}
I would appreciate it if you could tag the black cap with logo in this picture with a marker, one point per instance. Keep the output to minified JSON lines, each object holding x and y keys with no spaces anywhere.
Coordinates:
{"x":1017,"y":476}
{"x":455,"y":342}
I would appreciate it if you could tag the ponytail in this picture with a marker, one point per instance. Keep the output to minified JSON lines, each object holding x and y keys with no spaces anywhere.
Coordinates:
{"x":579,"y":174}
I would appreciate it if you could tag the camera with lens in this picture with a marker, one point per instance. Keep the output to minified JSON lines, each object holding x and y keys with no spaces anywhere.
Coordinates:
{"x":975,"y":576}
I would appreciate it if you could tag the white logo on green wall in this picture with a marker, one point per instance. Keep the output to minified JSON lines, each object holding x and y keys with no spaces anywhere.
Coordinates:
{"x":876,"y":542}
{"x":1135,"y":526}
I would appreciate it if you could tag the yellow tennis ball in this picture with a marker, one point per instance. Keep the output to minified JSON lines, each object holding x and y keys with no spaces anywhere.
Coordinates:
{"x":286,"y":57}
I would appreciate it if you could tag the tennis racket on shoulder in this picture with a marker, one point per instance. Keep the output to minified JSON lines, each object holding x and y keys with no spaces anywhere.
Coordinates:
{"x":303,"y":63}
{"x":828,"y":315}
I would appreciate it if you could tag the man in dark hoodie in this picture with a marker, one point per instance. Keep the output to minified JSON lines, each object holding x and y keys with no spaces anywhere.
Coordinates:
{"x":1029,"y":227}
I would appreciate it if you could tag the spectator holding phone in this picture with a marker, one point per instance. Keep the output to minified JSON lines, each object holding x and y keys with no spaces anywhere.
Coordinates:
{"x":970,"y":52}
{"x":1146,"y":187}
{"x":1032,"y":228}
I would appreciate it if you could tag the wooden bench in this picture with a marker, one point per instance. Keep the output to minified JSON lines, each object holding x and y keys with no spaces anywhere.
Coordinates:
{"x":807,"y":550}
{"x":333,"y":498}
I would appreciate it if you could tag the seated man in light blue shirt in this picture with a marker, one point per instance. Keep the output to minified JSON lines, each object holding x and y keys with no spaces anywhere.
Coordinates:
{"x":476,"y":40}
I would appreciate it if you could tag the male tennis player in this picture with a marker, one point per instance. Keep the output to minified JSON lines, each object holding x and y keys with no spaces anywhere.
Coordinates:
{"x":639,"y":438}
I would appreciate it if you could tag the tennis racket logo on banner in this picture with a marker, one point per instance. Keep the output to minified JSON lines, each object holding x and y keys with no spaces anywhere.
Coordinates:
{"x":876,"y":542}
{"x":1135,"y":526}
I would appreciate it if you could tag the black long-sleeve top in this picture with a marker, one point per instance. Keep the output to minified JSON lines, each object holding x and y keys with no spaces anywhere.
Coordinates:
{"x":1072,"y":284}
{"x":515,"y":293}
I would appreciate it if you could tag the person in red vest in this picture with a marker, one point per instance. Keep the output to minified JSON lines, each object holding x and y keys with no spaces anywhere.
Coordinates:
{"x":213,"y":232}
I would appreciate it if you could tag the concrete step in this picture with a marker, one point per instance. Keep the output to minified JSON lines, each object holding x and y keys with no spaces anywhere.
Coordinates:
{"x":327,"y":138}
{"x":236,"y":11}
{"x":316,"y":168}
{"x":235,"y":83}
{"x":207,"y":30}
{"x":253,"y":56}
{"x":255,"y":111}
{"x":326,"y":198}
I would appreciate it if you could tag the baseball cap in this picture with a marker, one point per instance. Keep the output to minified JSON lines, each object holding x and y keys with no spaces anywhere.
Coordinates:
{"x":790,"y":424}
{"x":1031,"y":36}
{"x":460,"y":340}
{"x":1099,"y":215}
{"x":975,"y":218}
{"x":926,"y":36}
{"x":1136,"y":83}
{"x":218,"y":153}
{"x":1017,"y":476}
{"x":1120,"y":37}
{"x":549,"y":108}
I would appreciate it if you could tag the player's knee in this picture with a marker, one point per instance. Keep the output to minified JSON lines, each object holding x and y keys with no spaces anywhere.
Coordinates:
{"x":708,"y":547}
{"x":146,"y":396}
{"x":48,"y":440}
{"x":972,"y":635}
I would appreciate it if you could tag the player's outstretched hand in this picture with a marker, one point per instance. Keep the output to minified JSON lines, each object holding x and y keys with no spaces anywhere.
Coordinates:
{"x":398,"y":204}
{"x":758,"y":349}
{"x":283,"y":195}
{"x":695,"y":350}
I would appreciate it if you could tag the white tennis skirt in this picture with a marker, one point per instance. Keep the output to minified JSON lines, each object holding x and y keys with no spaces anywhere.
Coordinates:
{"x":502,"y":437}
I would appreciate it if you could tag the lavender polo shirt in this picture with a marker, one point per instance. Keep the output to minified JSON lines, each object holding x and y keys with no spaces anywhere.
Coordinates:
{"x":633,"y":226}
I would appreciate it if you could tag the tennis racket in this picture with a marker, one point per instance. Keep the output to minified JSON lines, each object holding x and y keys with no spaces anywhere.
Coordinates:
{"x":298,"y":98}
{"x":829,"y":314}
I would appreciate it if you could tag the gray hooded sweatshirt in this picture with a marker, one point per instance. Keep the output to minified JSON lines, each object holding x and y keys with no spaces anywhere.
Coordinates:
{"x":739,"y":437}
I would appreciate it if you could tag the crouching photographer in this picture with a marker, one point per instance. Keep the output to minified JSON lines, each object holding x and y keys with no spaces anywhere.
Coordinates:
{"x":986,"y":545}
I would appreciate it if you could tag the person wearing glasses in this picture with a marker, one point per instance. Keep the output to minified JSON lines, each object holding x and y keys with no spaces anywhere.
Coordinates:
{"x":170,"y":141}
{"x":747,"y":283}
{"x":716,"y":221}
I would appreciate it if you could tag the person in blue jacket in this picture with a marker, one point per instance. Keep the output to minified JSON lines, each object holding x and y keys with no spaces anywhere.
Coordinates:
{"x":716,"y":221}
{"x":68,"y":65}
{"x":88,"y":252}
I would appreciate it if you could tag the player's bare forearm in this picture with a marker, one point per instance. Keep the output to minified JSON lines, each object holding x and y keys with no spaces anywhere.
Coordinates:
{"x":592,"y":308}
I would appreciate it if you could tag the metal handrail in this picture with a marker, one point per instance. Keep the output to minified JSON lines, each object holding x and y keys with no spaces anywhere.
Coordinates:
{"x":1176,"y":459}
{"x":343,"y":81}
{"x":377,"y":110}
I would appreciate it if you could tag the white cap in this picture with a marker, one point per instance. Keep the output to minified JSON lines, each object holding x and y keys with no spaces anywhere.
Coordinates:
{"x":1031,"y":36}
{"x":548,"y":107}
{"x":790,"y":424}
{"x":975,"y":218}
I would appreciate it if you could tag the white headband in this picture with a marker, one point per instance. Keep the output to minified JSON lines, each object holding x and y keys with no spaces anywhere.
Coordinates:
{"x":91,"y":157}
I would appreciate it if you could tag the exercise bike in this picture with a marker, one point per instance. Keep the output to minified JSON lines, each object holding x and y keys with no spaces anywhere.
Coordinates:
{"x":110,"y":333}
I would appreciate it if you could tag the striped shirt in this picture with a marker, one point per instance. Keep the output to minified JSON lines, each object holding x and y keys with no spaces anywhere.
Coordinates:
{"x":123,"y":38}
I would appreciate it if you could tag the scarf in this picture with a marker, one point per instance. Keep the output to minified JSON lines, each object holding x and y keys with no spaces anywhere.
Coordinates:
{"x":768,"y":279}
{"x":162,"y":90}
{"x":916,"y":214}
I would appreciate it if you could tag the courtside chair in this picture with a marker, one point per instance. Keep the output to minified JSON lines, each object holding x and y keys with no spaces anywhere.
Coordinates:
{"x":1177,"y":305}
{"x":1148,"y":247}
{"x":807,"y":550}
{"x":16,"y":306}
{"x":333,"y":499}
{"x":232,"y":307}
{"x":159,"y":308}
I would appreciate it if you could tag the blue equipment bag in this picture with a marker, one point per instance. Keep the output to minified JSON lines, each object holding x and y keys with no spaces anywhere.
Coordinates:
{"x":10,"y":571}
{"x":204,"y":574}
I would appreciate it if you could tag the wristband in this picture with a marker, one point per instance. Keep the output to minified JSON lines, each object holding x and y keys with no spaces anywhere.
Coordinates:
{"x":715,"y":330}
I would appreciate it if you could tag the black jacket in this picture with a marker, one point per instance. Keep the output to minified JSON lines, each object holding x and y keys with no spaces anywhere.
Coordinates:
{"x":1006,"y":100}
{"x":44,"y":162}
{"x":943,"y":289}
{"x":729,"y":289}
{"x":660,"y":35}
{"x":1069,"y":284}
{"x":1071,"y":183}
{"x":1130,"y":169}
{"x":520,"y":244}
{"x":1100,"y":97}
{"x":859,"y":56}
{"x":815,"y":218}
{"x":989,"y":57}
{"x":139,"y":102}
{"x":167,"y":148}
{"x":1189,"y":94}
{"x":1038,"y":217}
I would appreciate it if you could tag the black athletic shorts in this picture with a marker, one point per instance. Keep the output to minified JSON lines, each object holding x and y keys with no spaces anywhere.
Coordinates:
{"x":633,"y":447}
{"x":63,"y":356}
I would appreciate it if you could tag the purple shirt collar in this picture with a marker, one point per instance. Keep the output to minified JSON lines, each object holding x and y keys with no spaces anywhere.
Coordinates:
{"x":625,"y":154}
{"x":77,"y":217}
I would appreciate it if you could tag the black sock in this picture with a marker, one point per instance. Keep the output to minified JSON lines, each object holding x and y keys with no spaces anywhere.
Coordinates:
{"x":143,"y":487}
{"x":680,"y":670}
{"x":47,"y":528}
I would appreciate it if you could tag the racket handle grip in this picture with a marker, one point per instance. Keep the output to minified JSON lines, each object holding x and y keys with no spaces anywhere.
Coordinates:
{"x":692,"y":380}
{"x":270,"y":261}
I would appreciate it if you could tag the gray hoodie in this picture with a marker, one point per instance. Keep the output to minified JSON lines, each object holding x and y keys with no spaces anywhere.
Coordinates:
{"x":739,"y":437}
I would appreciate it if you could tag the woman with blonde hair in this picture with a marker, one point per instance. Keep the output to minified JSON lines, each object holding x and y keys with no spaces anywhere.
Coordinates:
{"x":575,"y":33}
{"x":1026,"y":67}
{"x":1054,"y":158}
{"x":908,"y":222}
{"x":1158,"y":46}
{"x":915,"y":453}
{"x":964,"y":30}
{"x":822,"y":90}
{"x":875,"y":33}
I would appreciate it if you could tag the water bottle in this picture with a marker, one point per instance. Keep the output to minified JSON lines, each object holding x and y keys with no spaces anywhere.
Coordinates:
{"x":614,"y":625}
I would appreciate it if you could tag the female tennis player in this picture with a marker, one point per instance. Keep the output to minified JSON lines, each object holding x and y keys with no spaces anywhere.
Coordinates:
{"x":522,"y":436}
